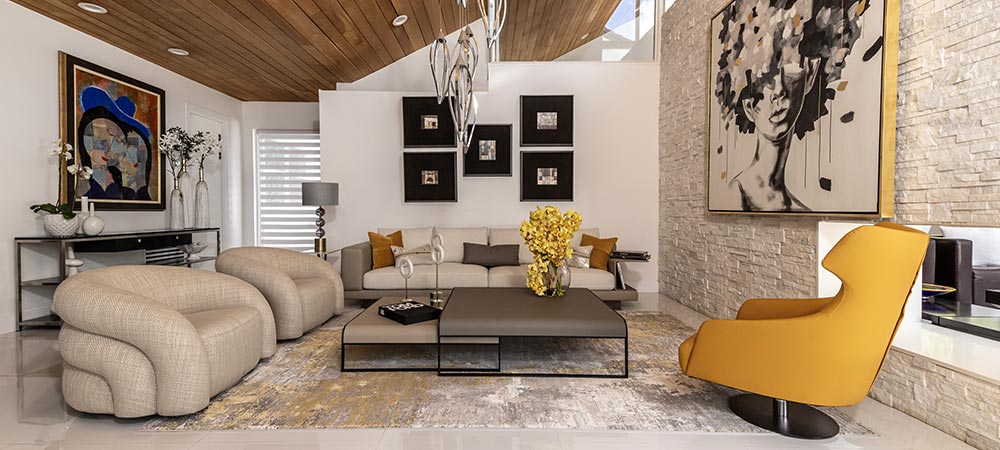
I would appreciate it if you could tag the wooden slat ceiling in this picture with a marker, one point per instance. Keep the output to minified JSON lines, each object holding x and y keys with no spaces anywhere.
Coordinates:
{"x":288,"y":50}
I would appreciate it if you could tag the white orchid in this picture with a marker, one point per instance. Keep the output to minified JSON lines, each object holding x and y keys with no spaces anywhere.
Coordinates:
{"x":61,"y":149}
{"x":80,"y":171}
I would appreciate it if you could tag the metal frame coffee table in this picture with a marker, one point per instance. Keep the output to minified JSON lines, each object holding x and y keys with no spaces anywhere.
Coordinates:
{"x":491,"y":317}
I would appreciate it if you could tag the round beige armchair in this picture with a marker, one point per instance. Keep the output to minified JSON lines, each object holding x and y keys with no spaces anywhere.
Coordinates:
{"x":304,"y":291}
{"x":144,"y":340}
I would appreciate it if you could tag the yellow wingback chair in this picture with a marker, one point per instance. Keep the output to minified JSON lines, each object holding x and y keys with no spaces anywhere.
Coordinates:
{"x":826,"y":351}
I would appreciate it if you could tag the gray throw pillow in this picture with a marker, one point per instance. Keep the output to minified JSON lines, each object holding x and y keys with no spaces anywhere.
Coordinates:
{"x":491,"y":256}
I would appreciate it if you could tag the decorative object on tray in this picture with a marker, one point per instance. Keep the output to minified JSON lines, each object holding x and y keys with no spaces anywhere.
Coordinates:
{"x":548,"y":232}
{"x":114,"y":123}
{"x":437,"y":257}
{"x":427,"y":124}
{"x":430,"y":177}
{"x":406,"y":271}
{"x":409,"y":312}
{"x":453,"y":79}
{"x":59,"y":219}
{"x":546,"y":120}
{"x":192,"y":250}
{"x":546,"y":176}
{"x":320,"y":195}
{"x":93,"y":225}
{"x":181,"y":148}
{"x":490,"y":152}
{"x":811,"y":107}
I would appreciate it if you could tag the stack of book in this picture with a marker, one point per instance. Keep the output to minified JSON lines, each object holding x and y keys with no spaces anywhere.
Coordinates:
{"x":630,"y":255}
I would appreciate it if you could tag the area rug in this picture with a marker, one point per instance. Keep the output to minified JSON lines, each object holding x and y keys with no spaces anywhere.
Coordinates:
{"x":302,"y":387}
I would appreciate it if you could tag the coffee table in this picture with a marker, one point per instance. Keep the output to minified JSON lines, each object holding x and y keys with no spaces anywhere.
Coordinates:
{"x":492,"y":315}
{"x":488,"y":317}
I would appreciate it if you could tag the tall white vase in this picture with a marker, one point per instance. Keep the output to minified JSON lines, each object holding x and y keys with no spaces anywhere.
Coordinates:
{"x":202,"y":216}
{"x":176,"y":209}
{"x":186,"y":183}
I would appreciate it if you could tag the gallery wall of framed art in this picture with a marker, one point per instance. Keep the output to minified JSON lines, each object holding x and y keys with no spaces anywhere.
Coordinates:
{"x":546,"y":120}
{"x":547,"y":176}
{"x":803,"y":129}
{"x":114,"y":123}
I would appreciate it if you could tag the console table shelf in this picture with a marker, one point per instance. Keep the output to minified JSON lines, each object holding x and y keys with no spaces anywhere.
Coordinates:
{"x":105,"y":243}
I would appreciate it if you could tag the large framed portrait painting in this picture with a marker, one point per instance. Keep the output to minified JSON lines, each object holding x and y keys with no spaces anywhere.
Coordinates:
{"x":114,"y":123}
{"x":801,"y":107}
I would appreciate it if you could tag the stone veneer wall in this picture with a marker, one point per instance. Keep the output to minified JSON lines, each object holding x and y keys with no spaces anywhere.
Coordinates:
{"x":947,"y":172}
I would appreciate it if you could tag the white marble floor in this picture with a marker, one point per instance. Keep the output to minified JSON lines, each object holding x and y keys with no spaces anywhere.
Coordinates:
{"x":33,"y":416}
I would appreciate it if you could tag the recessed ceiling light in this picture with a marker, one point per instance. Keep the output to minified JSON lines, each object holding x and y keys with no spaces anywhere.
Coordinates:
{"x":92,"y":8}
{"x":400,"y":20}
{"x":178,"y":51}
{"x":584,"y":36}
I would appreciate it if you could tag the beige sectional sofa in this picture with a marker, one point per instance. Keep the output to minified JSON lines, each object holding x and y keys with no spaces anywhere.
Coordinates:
{"x":361,"y":282}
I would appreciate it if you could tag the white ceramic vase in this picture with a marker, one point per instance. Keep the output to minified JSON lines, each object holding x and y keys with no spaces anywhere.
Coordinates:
{"x":93,"y":225}
{"x":176,"y":209}
{"x":186,"y":183}
{"x":202,"y":216}
{"x":58,"y":226}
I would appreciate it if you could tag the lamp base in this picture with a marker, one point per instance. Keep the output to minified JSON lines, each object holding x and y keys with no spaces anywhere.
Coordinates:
{"x":319,"y":246}
{"x":786,"y":418}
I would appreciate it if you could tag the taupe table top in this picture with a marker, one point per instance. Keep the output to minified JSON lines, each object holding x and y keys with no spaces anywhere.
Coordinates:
{"x":371,"y":328}
{"x":499,"y":312}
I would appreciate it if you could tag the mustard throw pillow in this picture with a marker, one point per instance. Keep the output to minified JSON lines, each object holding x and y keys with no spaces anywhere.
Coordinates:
{"x":382,"y":248}
{"x":602,"y":250}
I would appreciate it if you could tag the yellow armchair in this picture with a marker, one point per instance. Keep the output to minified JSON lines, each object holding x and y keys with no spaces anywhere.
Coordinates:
{"x":826,"y":351}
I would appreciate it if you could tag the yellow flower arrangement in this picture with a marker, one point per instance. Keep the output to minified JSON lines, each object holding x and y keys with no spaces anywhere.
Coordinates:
{"x":547,"y":232}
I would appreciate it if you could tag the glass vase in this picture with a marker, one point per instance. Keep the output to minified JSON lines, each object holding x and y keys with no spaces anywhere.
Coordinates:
{"x":557,"y":279}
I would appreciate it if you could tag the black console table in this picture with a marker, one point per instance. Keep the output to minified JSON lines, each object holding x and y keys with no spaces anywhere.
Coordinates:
{"x":110,"y":243}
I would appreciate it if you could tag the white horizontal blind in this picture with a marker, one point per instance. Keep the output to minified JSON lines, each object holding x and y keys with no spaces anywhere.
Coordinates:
{"x":284,"y":160}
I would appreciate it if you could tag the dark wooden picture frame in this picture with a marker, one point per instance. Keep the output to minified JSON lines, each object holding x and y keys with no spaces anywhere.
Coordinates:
{"x":501,"y":165}
{"x":430,"y":177}
{"x":535,"y":132}
{"x":537,"y":185}
{"x":416,"y":135}
{"x":127,"y":111}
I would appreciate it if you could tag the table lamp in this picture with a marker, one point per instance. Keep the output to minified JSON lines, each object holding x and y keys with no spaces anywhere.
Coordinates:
{"x":320,"y":195}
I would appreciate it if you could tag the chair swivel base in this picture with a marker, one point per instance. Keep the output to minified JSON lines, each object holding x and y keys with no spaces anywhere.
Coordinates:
{"x":786,"y":418}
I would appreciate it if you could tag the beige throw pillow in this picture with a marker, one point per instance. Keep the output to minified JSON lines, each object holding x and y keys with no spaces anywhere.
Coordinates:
{"x":581,"y":257}
{"x":419,"y":256}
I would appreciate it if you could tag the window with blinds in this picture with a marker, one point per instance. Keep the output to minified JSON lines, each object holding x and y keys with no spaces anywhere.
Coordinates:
{"x":283,"y":160}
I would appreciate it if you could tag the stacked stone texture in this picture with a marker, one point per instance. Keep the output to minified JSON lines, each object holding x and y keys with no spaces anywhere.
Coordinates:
{"x":947,"y":172}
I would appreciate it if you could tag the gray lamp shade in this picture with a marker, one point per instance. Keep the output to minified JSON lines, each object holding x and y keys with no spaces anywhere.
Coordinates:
{"x":320,"y":194}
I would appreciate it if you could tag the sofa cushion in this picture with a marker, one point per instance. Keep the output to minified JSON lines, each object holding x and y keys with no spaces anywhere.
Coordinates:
{"x":381,"y":244}
{"x":412,"y":237}
{"x":455,"y":239}
{"x":490,"y":255}
{"x":509,"y":276}
{"x":985,"y":243}
{"x":593,"y":279}
{"x":510,"y":236}
{"x":578,"y":236}
{"x":452,"y":275}
{"x":232,"y":340}
{"x":602,"y":250}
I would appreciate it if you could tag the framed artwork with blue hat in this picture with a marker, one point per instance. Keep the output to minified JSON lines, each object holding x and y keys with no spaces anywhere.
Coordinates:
{"x":114,"y":123}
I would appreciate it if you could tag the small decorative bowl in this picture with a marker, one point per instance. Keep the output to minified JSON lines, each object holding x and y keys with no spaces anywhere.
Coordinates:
{"x":193,"y":250}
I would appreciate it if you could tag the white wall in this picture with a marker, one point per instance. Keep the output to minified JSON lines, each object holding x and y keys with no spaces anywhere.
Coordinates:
{"x":29,"y":120}
{"x":268,"y":116}
{"x":616,"y":157}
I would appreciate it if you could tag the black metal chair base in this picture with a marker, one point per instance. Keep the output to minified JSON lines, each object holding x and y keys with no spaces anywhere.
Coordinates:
{"x":786,"y":418}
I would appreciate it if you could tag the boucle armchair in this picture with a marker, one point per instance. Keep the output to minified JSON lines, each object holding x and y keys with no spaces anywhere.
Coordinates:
{"x":304,"y":291}
{"x":144,"y":340}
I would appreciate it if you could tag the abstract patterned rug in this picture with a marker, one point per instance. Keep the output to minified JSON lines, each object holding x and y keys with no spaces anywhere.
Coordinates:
{"x":301,"y":387}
